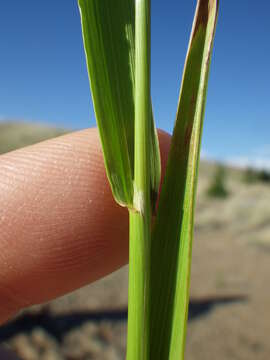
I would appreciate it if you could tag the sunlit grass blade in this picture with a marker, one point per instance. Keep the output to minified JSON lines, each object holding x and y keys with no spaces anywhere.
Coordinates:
{"x":173,"y":228}
{"x":140,"y":220}
{"x":108,"y":32}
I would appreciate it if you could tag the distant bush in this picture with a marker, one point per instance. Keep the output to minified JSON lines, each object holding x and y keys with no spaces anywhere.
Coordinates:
{"x":251,"y":176}
{"x":217,"y":188}
{"x":264,"y":176}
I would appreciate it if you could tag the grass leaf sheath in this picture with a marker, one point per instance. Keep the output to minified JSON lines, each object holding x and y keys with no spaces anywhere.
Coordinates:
{"x":139,"y":248}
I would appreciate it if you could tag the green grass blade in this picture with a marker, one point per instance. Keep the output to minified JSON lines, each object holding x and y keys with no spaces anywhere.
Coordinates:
{"x":140,"y":234}
{"x":173,"y":229}
{"x":108,"y":32}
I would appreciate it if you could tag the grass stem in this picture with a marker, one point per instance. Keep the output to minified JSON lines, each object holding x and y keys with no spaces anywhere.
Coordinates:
{"x":139,"y":265}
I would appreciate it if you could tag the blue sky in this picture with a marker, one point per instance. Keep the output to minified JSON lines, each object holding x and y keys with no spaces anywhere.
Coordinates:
{"x":43,"y":73}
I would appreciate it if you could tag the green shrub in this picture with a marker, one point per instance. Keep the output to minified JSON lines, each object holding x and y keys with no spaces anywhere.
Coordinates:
{"x":217,"y":188}
{"x":264,"y":176}
{"x":252,"y":176}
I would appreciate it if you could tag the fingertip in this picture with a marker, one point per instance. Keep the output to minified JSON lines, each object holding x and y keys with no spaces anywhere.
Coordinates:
{"x":59,"y":219}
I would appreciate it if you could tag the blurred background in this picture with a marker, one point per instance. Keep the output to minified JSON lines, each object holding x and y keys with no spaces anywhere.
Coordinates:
{"x":44,"y":93}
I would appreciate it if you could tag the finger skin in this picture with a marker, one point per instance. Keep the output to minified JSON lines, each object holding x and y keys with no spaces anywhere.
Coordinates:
{"x":59,"y":225}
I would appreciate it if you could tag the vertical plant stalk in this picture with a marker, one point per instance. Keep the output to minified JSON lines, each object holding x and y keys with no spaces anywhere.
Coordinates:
{"x":140,"y":219}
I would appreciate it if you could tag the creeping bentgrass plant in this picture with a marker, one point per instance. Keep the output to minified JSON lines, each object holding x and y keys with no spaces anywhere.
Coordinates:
{"x":116,"y":37}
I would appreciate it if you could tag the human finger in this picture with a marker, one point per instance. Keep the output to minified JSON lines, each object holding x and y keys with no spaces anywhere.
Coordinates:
{"x":59,"y":225}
